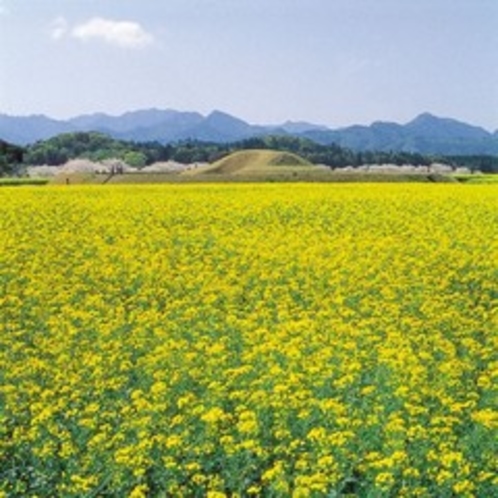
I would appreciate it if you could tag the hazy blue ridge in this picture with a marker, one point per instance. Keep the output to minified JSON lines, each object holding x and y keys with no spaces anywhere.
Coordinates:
{"x":426,"y":134}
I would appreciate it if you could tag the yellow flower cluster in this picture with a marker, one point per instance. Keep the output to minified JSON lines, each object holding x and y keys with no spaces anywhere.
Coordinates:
{"x":244,"y":340}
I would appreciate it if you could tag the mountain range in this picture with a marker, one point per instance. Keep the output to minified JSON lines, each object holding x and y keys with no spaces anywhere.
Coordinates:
{"x":426,"y":134}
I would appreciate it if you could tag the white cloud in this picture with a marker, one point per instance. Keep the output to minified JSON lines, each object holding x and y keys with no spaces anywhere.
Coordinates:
{"x":58,"y":28}
{"x":125,"y":34}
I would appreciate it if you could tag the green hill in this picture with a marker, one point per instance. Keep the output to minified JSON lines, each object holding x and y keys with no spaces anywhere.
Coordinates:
{"x":256,"y":162}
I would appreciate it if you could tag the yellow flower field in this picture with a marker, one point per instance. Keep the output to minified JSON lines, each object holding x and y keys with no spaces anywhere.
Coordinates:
{"x":249,"y":340}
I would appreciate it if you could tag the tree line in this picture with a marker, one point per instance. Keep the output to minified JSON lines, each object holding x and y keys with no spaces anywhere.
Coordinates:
{"x":97,"y":147}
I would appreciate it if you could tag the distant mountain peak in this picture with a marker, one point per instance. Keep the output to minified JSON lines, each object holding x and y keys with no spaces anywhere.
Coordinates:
{"x":438,"y":127}
{"x":426,"y":116}
{"x":221,"y":116}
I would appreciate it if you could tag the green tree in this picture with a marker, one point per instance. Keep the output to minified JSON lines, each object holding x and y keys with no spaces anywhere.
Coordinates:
{"x":135,"y":159}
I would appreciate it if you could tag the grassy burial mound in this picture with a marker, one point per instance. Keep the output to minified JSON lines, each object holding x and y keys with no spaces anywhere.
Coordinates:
{"x":257,"y":162}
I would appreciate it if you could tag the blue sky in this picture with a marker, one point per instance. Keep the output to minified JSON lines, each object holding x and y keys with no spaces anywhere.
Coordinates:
{"x":334,"y":62}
